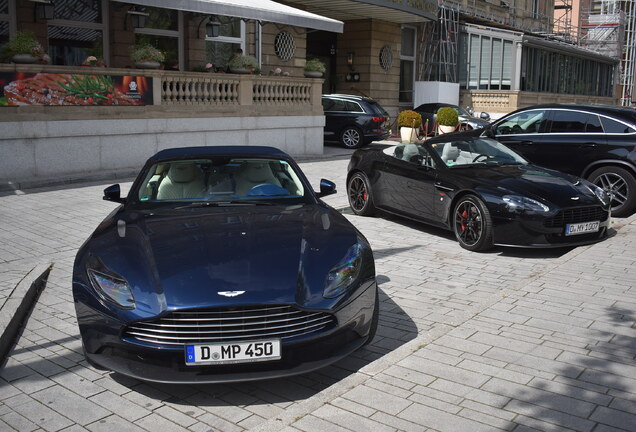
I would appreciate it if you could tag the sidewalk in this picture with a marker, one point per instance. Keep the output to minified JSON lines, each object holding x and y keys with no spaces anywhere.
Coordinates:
{"x":513,"y":340}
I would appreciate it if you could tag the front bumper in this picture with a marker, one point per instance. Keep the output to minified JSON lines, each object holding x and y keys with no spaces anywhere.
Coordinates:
{"x":530,"y":231}
{"x":105,"y":347}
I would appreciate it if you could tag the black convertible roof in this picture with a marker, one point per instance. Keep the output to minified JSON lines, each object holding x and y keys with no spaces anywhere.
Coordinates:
{"x":202,"y":151}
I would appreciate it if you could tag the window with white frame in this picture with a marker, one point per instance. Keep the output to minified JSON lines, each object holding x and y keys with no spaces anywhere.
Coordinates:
{"x":407,"y":63}
{"x":219,"y":50}
{"x":162,"y":30}
{"x":77,"y":31}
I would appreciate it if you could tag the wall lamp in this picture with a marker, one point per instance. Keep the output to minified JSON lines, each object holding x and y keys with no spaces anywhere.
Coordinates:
{"x":137,"y":18}
{"x":212,"y":26}
{"x":350,"y":60}
{"x":44,"y":9}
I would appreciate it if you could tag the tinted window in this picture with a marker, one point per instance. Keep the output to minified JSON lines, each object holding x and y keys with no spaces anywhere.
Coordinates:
{"x":612,"y":126}
{"x":353,"y":107}
{"x":522,"y":123}
{"x":377,"y":109}
{"x":593,"y":124}
{"x":568,"y":121}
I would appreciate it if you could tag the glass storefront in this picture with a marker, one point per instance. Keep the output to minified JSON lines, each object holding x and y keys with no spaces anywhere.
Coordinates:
{"x":219,"y":50}
{"x":161,"y":30}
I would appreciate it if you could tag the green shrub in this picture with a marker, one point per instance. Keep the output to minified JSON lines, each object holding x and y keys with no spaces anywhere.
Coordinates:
{"x":315,"y":65}
{"x":409,"y":118}
{"x":243,"y":62}
{"x":146,"y":52}
{"x":447,"y":116}
{"x":23,"y":43}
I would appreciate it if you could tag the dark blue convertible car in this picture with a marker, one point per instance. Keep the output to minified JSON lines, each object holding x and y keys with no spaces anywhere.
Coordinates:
{"x":222,"y":264}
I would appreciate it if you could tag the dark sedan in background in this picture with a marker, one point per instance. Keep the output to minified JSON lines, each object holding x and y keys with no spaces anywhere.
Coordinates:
{"x":222,"y":264}
{"x":481,"y":190}
{"x":595,"y":142}
{"x":467,"y":120}
{"x":354,"y":121}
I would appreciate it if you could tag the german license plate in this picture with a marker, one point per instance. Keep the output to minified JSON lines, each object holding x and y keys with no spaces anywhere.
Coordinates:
{"x":581,"y":228}
{"x":236,"y":352}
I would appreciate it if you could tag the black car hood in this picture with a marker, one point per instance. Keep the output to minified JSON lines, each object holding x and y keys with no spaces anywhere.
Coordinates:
{"x":184,"y":258}
{"x":535,"y":182}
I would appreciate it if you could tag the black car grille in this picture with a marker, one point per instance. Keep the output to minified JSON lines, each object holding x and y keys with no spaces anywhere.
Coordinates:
{"x":576,"y":215}
{"x":235,"y":324}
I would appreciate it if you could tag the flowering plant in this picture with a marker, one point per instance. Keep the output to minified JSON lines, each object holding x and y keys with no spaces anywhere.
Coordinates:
{"x":24,"y":43}
{"x":146,"y":52}
{"x":278,"y":72}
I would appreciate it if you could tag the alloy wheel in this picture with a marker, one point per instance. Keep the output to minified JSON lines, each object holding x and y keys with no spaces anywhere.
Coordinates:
{"x":358,"y":194}
{"x":351,"y":138}
{"x":616,"y":187}
{"x":468,"y":223}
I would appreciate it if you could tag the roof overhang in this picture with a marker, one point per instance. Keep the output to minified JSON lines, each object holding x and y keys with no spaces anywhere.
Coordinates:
{"x":397,"y":11}
{"x":558,"y":46}
{"x":261,"y":10}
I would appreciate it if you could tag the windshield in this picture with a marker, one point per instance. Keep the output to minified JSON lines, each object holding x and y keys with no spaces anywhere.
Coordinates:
{"x":222,"y":179}
{"x":477,"y":151}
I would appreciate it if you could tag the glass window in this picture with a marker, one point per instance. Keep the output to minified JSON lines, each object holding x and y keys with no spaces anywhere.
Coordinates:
{"x":522,"y":123}
{"x":78,"y":10}
{"x":162,"y":19}
{"x":221,"y":179}
{"x":219,"y":50}
{"x":506,"y":73}
{"x":616,"y":127}
{"x":593,"y":124}
{"x":408,"y":42}
{"x":473,"y":69}
{"x":484,"y":63}
{"x":407,"y":64}
{"x":568,"y":121}
{"x":168,"y":45}
{"x":71,"y":45}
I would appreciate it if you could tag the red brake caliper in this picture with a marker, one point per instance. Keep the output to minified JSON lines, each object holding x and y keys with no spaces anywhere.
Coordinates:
{"x":464,"y":217}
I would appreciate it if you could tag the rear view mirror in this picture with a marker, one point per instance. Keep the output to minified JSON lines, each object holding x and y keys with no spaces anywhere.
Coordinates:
{"x":113,"y":193}
{"x":485,"y":116}
{"x":326,"y":188}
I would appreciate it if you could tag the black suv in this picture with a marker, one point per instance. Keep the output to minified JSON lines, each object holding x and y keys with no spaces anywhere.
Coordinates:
{"x":354,"y":121}
{"x":595,"y":142}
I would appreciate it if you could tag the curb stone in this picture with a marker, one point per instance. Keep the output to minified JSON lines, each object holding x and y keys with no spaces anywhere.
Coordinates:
{"x":18,"y":305}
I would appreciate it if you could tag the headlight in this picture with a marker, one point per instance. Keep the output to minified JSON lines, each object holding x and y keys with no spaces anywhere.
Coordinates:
{"x":599,"y":192}
{"x":517,"y":202}
{"x":343,"y":274}
{"x":110,"y":286}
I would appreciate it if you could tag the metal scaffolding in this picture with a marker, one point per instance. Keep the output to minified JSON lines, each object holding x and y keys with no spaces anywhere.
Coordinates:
{"x":609,"y":29}
{"x":438,"y":46}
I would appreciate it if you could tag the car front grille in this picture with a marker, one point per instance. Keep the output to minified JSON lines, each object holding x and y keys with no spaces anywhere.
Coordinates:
{"x":230,"y":324}
{"x":576,"y":215}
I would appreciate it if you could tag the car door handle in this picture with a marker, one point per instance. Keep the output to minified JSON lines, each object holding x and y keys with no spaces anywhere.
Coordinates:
{"x":587,"y":145}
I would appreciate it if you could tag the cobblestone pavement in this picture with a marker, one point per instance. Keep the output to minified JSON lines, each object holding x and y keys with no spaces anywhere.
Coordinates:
{"x":514,"y":339}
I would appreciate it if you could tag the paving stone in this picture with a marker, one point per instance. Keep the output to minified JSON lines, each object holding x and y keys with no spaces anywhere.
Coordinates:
{"x":118,"y":405}
{"x":114,"y":423}
{"x":377,"y":399}
{"x":73,"y":406}
{"x":616,"y":418}
{"x":441,"y":420}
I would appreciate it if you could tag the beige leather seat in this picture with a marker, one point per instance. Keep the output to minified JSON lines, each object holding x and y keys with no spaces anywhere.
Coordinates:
{"x":184,"y":180}
{"x":253,"y":174}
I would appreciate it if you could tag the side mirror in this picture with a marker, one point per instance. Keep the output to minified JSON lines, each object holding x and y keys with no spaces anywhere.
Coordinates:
{"x":484,"y":116}
{"x":489,"y":132}
{"x":113,"y":193}
{"x":326,"y":188}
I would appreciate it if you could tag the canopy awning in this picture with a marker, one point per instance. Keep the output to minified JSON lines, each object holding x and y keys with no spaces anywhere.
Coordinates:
{"x":262,"y":10}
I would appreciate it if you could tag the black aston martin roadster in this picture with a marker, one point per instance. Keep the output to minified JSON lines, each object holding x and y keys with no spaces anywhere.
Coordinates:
{"x":481,"y":190}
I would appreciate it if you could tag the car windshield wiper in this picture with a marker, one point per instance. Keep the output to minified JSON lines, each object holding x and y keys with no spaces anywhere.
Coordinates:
{"x":224,"y":203}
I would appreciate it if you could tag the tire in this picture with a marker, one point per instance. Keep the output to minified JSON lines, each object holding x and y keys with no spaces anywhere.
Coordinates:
{"x":351,"y":138}
{"x":359,"y":194}
{"x":472,"y":224}
{"x":620,"y":184}
{"x":375,"y":319}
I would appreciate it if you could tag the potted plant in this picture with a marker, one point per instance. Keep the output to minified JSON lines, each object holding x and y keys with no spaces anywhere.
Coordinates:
{"x":24,"y":48}
{"x":314,"y":68}
{"x":447,"y":119}
{"x":408,"y":122}
{"x":243,"y":64}
{"x":145,"y":56}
